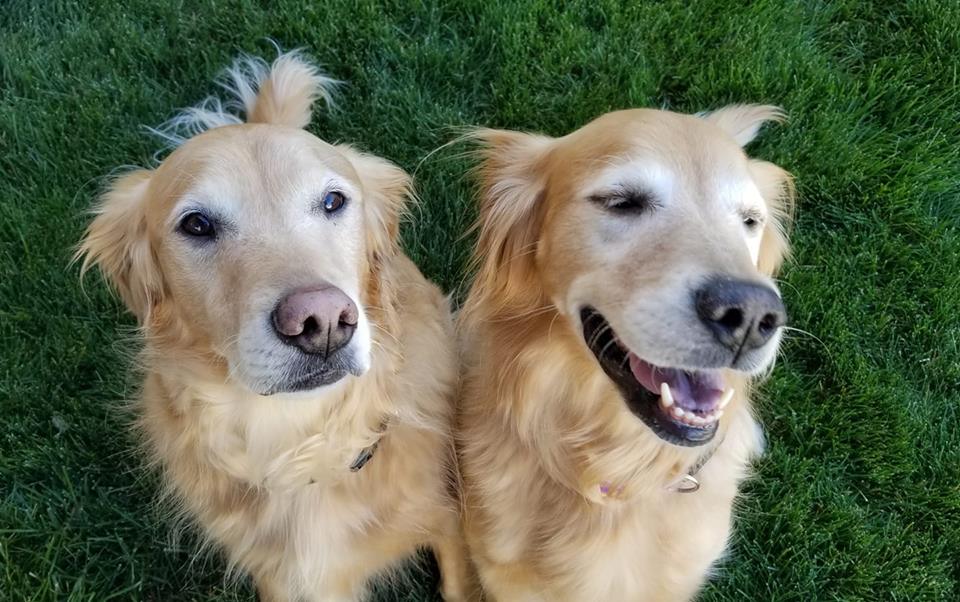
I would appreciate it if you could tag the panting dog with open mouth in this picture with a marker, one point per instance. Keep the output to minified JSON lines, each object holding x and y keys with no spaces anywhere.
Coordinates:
{"x":622,"y":306}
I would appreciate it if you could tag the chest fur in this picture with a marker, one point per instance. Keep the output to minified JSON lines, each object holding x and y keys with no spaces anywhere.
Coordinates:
{"x":657,"y":549}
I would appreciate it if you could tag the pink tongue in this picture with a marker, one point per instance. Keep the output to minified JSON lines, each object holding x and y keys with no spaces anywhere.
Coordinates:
{"x":698,"y":390}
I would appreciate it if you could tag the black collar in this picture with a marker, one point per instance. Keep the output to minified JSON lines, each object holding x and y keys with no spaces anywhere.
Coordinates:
{"x":365,"y":455}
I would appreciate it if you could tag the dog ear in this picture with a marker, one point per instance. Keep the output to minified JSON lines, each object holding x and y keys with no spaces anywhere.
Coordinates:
{"x":387,"y":191}
{"x":776,"y":188}
{"x":117,"y":242}
{"x":283,"y":93}
{"x":743,"y":122}
{"x":512,"y":176}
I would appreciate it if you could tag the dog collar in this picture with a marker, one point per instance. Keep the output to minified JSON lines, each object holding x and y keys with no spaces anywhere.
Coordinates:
{"x":688,"y":483}
{"x":366,"y":454}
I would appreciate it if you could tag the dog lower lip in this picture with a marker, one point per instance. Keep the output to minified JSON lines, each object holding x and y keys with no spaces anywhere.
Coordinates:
{"x":307,"y":383}
{"x":314,"y":377}
{"x":327,"y":377}
{"x":688,"y":420}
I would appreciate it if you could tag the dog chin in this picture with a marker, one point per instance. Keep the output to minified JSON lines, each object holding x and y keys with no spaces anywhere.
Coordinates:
{"x":307,"y":377}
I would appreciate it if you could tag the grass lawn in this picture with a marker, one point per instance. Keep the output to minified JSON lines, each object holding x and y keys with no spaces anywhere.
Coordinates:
{"x":858,"y":497}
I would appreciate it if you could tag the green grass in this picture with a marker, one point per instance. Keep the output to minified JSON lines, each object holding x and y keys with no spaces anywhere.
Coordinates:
{"x":858,"y":497}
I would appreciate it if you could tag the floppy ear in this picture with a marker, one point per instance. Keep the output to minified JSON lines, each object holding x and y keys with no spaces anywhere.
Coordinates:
{"x":776,"y":188}
{"x":387,"y":190}
{"x":512,"y":182}
{"x":116,"y":242}
{"x":743,"y":122}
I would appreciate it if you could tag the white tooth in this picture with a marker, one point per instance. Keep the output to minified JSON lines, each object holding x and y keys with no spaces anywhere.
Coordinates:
{"x":694,"y":420}
{"x":666,"y":397}
{"x":725,"y":400}
{"x":677,"y":412}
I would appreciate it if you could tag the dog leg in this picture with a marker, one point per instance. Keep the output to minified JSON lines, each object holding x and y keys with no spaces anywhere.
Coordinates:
{"x":510,"y":583}
{"x":268,"y":590}
{"x":345,"y":593}
{"x":458,"y":581}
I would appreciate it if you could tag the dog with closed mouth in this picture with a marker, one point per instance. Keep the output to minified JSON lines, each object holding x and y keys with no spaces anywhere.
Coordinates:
{"x":298,"y":370}
{"x":622,"y":306}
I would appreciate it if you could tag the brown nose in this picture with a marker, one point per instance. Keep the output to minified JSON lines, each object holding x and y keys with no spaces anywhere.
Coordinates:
{"x":742,"y":315}
{"x":319,"y":320}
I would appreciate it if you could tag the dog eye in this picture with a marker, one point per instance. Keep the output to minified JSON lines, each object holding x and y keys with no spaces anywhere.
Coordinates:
{"x":752,"y":221}
{"x":197,"y":224}
{"x":627,"y":201}
{"x":333,"y":201}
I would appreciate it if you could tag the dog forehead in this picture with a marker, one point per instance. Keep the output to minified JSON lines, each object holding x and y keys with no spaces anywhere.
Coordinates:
{"x":268,"y":154}
{"x":655,"y":130}
{"x":253,"y":162}
{"x":727,"y":186}
{"x":668,"y":151}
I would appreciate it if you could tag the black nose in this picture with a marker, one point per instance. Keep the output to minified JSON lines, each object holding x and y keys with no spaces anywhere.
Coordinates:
{"x":742,"y":315}
{"x":319,"y":320}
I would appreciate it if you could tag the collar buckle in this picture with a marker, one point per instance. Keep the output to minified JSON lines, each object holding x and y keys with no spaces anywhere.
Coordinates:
{"x":687,"y":484}
{"x":365,"y":455}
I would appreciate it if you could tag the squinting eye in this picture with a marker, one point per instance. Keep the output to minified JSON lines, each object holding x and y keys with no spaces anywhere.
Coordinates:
{"x":333,"y":201}
{"x":197,"y":224}
{"x":751,"y":222}
{"x":625,"y":201}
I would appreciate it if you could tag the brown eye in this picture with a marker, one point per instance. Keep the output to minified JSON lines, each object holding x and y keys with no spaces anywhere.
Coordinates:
{"x":333,"y":201}
{"x":197,"y":224}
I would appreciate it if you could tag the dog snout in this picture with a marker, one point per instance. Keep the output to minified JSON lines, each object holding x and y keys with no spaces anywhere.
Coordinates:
{"x":318,"y":320}
{"x":742,"y":315}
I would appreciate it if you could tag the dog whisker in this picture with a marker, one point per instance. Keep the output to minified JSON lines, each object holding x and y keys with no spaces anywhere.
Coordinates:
{"x":552,"y":322}
{"x":596,"y":336}
{"x":537,"y":311}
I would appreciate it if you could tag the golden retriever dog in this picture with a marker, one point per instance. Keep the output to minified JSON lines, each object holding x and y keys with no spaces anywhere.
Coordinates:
{"x":299,"y":371}
{"x":623,"y":301}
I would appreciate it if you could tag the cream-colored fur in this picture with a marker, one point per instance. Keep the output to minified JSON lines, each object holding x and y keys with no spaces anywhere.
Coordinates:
{"x":267,"y":477}
{"x":568,"y":496}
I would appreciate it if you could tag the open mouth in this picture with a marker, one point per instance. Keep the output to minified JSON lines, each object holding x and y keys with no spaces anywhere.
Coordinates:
{"x":682,"y":407}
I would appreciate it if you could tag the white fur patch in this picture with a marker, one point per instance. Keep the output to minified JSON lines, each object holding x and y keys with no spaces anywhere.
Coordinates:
{"x":646,"y":175}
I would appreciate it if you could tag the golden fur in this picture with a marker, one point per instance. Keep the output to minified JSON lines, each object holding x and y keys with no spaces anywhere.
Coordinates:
{"x":267,"y":477}
{"x":541,"y":427}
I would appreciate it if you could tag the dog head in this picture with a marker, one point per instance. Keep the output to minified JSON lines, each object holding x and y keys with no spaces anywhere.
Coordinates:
{"x":657,"y":238}
{"x":254,"y":241}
